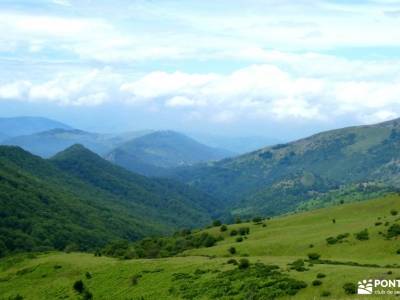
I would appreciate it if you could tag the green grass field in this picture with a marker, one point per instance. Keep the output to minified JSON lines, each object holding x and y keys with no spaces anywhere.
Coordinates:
{"x":282,"y":241}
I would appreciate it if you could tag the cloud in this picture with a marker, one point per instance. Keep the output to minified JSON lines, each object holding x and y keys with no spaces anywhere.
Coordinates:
{"x":89,"y":89}
{"x":261,"y":91}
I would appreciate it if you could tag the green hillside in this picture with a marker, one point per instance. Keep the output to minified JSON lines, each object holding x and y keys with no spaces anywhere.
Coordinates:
{"x":154,"y":153}
{"x":78,"y":200}
{"x":278,"y":179}
{"x":204,"y":273}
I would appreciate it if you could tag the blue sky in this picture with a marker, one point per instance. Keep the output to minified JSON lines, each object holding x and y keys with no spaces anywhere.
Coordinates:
{"x":257,"y":67}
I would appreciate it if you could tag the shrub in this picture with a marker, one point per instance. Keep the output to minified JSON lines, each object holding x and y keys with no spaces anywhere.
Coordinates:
{"x":232,"y":261}
{"x":233,"y":232}
{"x":238,"y":220}
{"x":243,"y":263}
{"x":362,"y":235}
{"x":331,"y":240}
{"x":393,"y":231}
{"x":378,"y":223}
{"x":321,"y":275}
{"x":244,"y":230}
{"x":325,"y":294}
{"x":333,"y":221}
{"x":394,"y":212}
{"x":88,"y":275}
{"x":232,"y":250}
{"x":311,"y":246}
{"x":216,"y":223}
{"x":79,"y":286}
{"x":16,"y":297}
{"x":313,"y":256}
{"x":350,"y":288}
{"x":239,"y":239}
{"x":398,"y":251}
{"x":257,"y":219}
{"x":298,"y":265}
{"x":316,"y":282}
{"x":87,"y":295}
{"x":135,"y":279}
{"x":223,"y":228}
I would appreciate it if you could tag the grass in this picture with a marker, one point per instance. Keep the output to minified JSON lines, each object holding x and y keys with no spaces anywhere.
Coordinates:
{"x":283,"y":240}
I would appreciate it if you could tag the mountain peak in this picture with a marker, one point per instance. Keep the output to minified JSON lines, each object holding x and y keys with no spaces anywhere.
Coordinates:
{"x":75,"y":151}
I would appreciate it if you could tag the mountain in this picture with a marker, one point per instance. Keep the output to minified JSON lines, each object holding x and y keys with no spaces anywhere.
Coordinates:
{"x":3,"y":137}
{"x":278,"y":179}
{"x":77,"y":199}
{"x":48,"y":143}
{"x":28,"y":125}
{"x":156,"y":152}
{"x":236,"y":144}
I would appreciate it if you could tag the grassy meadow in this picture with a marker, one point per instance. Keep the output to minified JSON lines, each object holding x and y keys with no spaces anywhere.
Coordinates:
{"x":278,"y":241}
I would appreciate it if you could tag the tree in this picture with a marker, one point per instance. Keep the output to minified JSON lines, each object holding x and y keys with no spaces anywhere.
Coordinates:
{"x":223,"y":228}
{"x":232,"y":250}
{"x":313,"y":256}
{"x":244,"y":263}
{"x":216,"y":223}
{"x":394,"y":212}
{"x":362,"y":235}
{"x":350,"y":288}
{"x":79,"y":286}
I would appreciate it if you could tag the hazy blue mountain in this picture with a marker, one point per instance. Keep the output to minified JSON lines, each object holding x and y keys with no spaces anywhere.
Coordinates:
{"x":277,"y":179}
{"x":28,"y":125}
{"x":235,"y":144}
{"x":78,"y":198}
{"x":154,"y":153}
{"x":3,"y":137}
{"x":48,"y":143}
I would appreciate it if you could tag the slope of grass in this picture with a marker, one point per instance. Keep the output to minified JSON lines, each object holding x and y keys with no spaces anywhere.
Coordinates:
{"x":282,"y":241}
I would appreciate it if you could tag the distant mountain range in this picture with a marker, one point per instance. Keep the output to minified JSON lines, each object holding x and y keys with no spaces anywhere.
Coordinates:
{"x":48,"y":143}
{"x":154,"y":153}
{"x":279,"y":179}
{"x":11,"y":127}
{"x":235,"y":144}
{"x":77,"y":199}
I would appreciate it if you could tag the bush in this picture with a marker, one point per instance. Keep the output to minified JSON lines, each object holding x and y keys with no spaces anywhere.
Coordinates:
{"x":232,"y":261}
{"x":298,"y":265}
{"x":313,"y":256}
{"x":362,"y":235}
{"x":378,"y":223}
{"x":321,"y":275}
{"x":316,"y":282}
{"x":135,"y":279}
{"x":216,"y":223}
{"x":350,"y":288}
{"x":393,"y":231}
{"x":243,"y":263}
{"x":398,"y":251}
{"x":233,"y":232}
{"x":79,"y":286}
{"x":223,"y":228}
{"x":239,"y":239}
{"x":88,"y":275}
{"x":394,"y":212}
{"x":334,"y":221}
{"x":257,"y":219}
{"x":244,"y":230}
{"x":87,"y":295}
{"x":232,"y":250}
{"x":325,"y":294}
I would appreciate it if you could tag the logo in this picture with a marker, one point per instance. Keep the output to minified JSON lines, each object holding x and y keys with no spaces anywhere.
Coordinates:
{"x":379,"y":287}
{"x":365,"y":287}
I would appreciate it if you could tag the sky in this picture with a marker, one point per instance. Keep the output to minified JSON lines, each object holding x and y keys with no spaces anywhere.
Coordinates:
{"x":277,"y":68}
